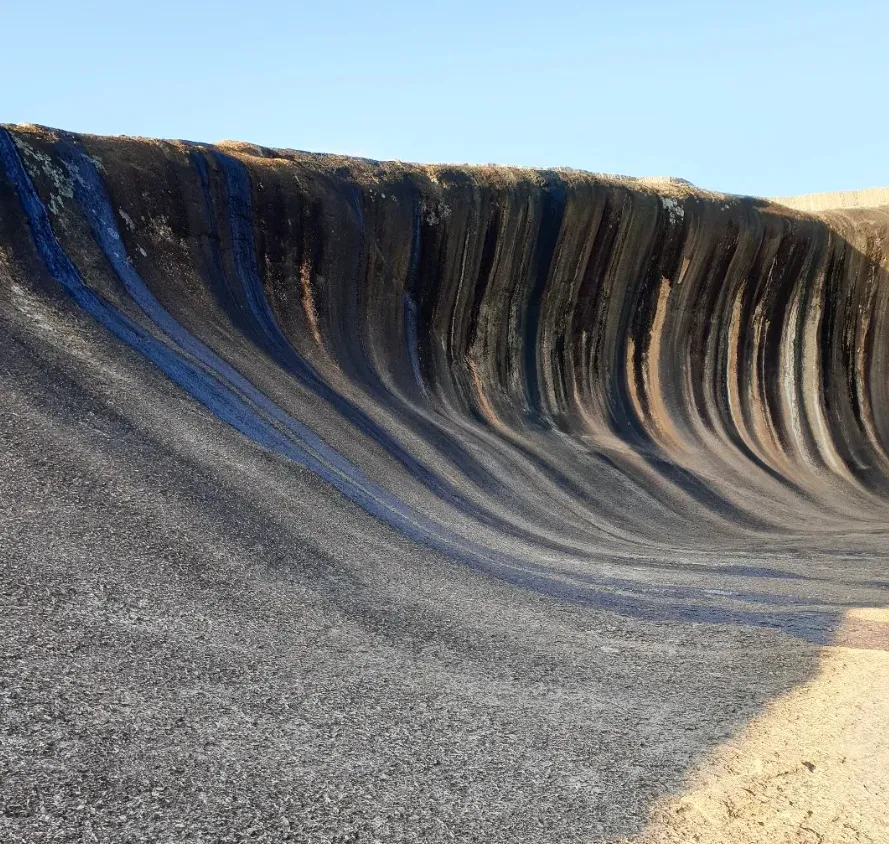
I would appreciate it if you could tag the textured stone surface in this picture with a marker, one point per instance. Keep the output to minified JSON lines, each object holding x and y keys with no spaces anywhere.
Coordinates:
{"x":357,"y":501}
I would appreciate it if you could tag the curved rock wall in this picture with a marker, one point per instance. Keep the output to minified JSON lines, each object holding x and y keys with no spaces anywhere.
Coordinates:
{"x":532,"y":372}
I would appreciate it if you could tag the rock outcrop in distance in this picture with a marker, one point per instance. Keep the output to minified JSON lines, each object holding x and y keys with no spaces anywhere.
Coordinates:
{"x":625,"y":396}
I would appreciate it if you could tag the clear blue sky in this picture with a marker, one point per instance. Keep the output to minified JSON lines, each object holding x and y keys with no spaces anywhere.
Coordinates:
{"x":746,"y":96}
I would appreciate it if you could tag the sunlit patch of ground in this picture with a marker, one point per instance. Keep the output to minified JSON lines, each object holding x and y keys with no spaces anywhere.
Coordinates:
{"x":814,"y":767}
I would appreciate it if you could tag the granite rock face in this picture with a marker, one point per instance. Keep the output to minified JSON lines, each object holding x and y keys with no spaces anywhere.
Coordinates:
{"x":355,"y":501}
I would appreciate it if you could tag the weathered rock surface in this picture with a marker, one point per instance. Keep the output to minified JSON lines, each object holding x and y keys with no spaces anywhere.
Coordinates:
{"x":360,"y":501}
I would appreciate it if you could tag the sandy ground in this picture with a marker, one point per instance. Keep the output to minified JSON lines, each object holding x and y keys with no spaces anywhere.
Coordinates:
{"x":813,"y":767}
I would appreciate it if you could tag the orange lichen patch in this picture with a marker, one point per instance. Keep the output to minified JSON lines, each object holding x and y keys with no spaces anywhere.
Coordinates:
{"x":308,"y":299}
{"x":484,"y":402}
{"x":813,"y":767}
{"x":660,"y":414}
